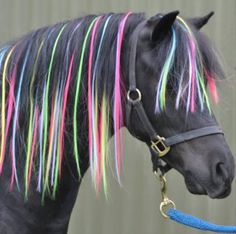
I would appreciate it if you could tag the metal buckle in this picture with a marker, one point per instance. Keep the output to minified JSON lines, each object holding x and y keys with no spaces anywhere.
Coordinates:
{"x":159,"y":146}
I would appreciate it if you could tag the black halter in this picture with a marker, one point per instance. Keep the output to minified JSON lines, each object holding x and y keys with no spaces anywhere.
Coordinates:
{"x":159,"y":145}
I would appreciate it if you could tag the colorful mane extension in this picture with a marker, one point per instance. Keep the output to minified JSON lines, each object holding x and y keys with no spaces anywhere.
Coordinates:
{"x":11,"y":103}
{"x":3,"y":105}
{"x":99,"y":128}
{"x":77,"y":92}
{"x":99,"y":117}
{"x":162,"y":84}
{"x":32,"y":129}
{"x":16,"y":114}
{"x":191,"y":89}
{"x":92,"y":125}
{"x":117,"y":108}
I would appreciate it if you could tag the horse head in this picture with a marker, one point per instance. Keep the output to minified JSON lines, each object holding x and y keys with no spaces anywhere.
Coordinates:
{"x":174,"y":64}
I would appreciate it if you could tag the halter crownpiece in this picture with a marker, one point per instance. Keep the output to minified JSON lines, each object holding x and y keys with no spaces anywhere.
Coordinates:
{"x":159,"y":145}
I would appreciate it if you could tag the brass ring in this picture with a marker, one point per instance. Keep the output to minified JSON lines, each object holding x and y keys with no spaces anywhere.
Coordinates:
{"x":164,"y":205}
{"x":138,"y":98}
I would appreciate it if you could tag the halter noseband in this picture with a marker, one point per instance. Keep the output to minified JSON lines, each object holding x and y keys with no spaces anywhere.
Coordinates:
{"x":160,"y":146}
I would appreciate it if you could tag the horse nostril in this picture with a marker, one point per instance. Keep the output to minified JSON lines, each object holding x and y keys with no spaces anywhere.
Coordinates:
{"x":221,"y":172}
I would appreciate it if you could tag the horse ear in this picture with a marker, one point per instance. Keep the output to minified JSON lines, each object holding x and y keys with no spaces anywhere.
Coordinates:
{"x":160,"y":26}
{"x":201,"y":21}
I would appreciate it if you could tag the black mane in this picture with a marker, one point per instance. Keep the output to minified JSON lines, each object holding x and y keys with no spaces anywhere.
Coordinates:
{"x":29,"y":46}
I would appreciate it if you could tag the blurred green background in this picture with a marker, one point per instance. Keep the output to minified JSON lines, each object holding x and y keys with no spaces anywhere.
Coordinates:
{"x":133,"y":208}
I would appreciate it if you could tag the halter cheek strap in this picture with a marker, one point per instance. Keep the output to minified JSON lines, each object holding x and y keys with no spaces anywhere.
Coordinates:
{"x":159,"y":145}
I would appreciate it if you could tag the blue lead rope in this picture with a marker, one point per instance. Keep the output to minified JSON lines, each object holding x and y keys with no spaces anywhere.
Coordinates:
{"x":197,"y":223}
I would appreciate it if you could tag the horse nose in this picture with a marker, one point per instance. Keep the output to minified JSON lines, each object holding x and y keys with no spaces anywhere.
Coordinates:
{"x":221,"y":174}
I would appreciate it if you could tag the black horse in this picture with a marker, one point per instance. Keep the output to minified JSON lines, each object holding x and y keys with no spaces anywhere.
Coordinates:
{"x":64,"y":92}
